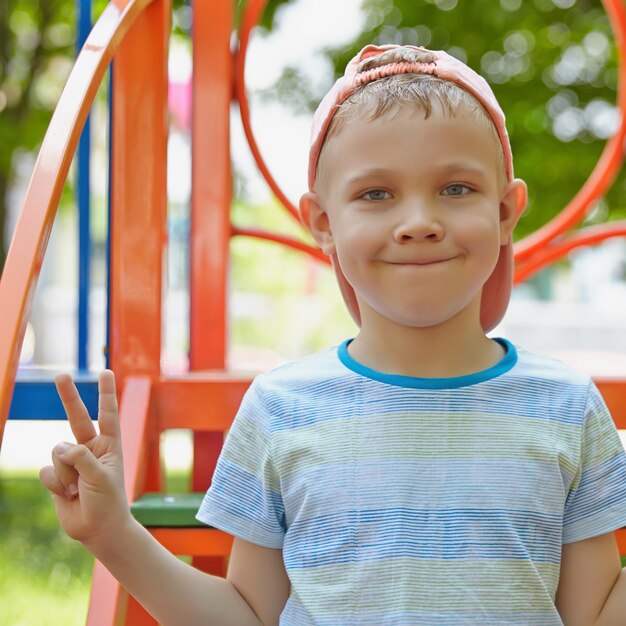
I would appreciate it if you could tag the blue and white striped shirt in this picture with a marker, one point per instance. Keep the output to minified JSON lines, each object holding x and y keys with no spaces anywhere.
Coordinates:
{"x":404,"y":501}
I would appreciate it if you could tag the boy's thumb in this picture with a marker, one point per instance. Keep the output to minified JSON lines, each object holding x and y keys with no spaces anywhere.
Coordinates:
{"x":80,"y":457}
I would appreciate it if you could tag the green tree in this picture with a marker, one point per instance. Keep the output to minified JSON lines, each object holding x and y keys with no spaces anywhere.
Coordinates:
{"x":36,"y":48}
{"x":551,"y":63}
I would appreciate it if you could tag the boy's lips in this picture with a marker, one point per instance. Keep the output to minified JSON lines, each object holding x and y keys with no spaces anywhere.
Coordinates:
{"x":424,"y":261}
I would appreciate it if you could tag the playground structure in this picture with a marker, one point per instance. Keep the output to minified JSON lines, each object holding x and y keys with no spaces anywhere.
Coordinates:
{"x":134,"y":34}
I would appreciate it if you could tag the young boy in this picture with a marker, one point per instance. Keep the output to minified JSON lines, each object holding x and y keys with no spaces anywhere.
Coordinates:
{"x":420,"y":473}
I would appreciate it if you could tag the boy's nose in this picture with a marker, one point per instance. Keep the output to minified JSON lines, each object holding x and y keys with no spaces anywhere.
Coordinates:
{"x":418,"y":224}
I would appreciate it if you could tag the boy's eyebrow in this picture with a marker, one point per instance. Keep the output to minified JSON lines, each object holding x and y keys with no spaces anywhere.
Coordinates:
{"x":466,"y":166}
{"x":470,"y":166}
{"x":367,"y":173}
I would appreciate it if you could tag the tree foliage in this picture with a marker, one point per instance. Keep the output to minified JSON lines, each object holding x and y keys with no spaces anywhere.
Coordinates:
{"x":551,"y":63}
{"x":36,"y":47}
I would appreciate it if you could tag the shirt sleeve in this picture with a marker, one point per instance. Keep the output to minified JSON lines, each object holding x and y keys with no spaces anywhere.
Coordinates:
{"x":596,"y":503}
{"x":244,"y":499}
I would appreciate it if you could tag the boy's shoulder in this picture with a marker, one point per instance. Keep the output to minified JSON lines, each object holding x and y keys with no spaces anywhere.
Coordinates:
{"x":549,"y":368}
{"x":314,"y":368}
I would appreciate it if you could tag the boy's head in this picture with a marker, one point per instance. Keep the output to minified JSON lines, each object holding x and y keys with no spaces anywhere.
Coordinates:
{"x":392,"y":82}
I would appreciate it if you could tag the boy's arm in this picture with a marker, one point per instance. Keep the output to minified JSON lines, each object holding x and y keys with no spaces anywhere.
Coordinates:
{"x":173,"y":592}
{"x":259,"y":575}
{"x":176,"y":594}
{"x":87,"y":485}
{"x":592,"y":584}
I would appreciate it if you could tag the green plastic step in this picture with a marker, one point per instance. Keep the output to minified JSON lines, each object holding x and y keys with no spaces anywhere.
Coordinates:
{"x":624,"y":561}
{"x":168,"y":510}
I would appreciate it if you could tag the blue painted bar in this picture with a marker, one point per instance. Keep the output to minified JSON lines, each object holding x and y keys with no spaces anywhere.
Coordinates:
{"x":108,"y":242}
{"x":35,"y":396}
{"x":83,"y":11}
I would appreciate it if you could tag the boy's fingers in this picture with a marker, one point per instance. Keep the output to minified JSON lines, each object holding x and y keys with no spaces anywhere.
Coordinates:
{"x":108,"y":416}
{"x":51,"y":482}
{"x":81,"y":459}
{"x":77,"y":414}
{"x":66,"y":474}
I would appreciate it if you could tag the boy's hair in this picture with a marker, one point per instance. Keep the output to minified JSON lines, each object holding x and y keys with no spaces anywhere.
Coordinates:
{"x":418,"y":91}
{"x":447,"y":81}
{"x":374,"y":63}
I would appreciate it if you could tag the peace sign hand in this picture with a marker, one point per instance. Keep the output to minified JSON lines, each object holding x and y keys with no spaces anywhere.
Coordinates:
{"x":86,"y":479}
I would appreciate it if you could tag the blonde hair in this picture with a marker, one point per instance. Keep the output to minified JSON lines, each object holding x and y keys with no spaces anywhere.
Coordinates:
{"x":420,"y":91}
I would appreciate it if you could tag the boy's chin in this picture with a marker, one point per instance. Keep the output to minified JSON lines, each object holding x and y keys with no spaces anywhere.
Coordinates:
{"x":426,"y":316}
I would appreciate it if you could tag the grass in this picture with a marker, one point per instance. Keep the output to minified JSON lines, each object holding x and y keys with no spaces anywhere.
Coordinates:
{"x":45,"y":577}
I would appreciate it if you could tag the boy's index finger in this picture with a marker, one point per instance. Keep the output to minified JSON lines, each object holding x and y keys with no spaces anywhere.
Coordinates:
{"x":108,"y":417}
{"x":75,"y":409}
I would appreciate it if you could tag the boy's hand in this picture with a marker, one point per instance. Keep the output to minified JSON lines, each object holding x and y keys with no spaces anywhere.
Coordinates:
{"x":87,"y":479}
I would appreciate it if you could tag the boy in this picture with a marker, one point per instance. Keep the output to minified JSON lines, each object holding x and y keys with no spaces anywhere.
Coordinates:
{"x":420,"y":473}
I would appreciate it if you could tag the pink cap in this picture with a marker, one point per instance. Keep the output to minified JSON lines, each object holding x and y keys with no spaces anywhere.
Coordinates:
{"x":497,"y":289}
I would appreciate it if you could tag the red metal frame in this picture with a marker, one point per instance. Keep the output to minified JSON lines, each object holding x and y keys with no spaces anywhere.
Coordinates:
{"x":211,"y":183}
{"x":559,"y":247}
{"x":139,"y":194}
{"x":210,"y":216}
{"x":25,"y":256}
{"x":252,"y":13}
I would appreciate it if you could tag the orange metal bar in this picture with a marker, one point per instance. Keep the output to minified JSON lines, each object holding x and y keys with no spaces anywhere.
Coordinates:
{"x":211,"y":182}
{"x":608,"y":165}
{"x":315,"y":252}
{"x":107,"y":606}
{"x":253,"y":11}
{"x":621,"y":541}
{"x":560,"y":247}
{"x":210,"y":214}
{"x":139,"y":194}
{"x":137,"y":424}
{"x":25,"y":256}
{"x":108,"y":602}
{"x":613,"y":391}
{"x":202,"y":541}
{"x":136,"y":615}
{"x":139,"y":204}
{"x":206,"y":402}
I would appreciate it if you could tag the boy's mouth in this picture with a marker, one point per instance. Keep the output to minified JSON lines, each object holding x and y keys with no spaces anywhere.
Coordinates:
{"x":423,"y":262}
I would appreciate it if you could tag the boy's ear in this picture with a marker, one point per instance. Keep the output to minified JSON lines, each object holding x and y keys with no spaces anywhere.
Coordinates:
{"x":315,"y":218}
{"x":512,"y":205}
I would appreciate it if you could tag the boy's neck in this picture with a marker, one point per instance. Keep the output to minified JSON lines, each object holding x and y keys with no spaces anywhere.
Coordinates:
{"x":444,"y":351}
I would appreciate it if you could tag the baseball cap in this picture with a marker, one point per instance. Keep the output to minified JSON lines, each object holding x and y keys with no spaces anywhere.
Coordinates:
{"x":497,"y":290}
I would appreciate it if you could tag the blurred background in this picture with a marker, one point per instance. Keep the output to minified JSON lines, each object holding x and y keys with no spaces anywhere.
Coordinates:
{"x":553,"y":67}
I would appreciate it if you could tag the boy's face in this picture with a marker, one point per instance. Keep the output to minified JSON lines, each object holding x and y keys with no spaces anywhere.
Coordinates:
{"x":416,"y":211}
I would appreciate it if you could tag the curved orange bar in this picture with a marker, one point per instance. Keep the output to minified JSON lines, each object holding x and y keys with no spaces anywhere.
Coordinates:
{"x":586,"y":237}
{"x":25,"y":256}
{"x":608,"y":165}
{"x":316,"y":253}
{"x":251,"y":16}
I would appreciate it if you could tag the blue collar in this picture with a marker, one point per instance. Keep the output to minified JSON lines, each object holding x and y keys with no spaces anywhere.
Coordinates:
{"x":503,"y":366}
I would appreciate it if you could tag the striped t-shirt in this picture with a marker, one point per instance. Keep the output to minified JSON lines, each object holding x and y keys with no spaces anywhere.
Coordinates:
{"x":404,"y":501}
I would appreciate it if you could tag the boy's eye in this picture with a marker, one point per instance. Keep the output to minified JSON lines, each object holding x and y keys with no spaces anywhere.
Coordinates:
{"x":376,"y":194}
{"x":456,"y":189}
